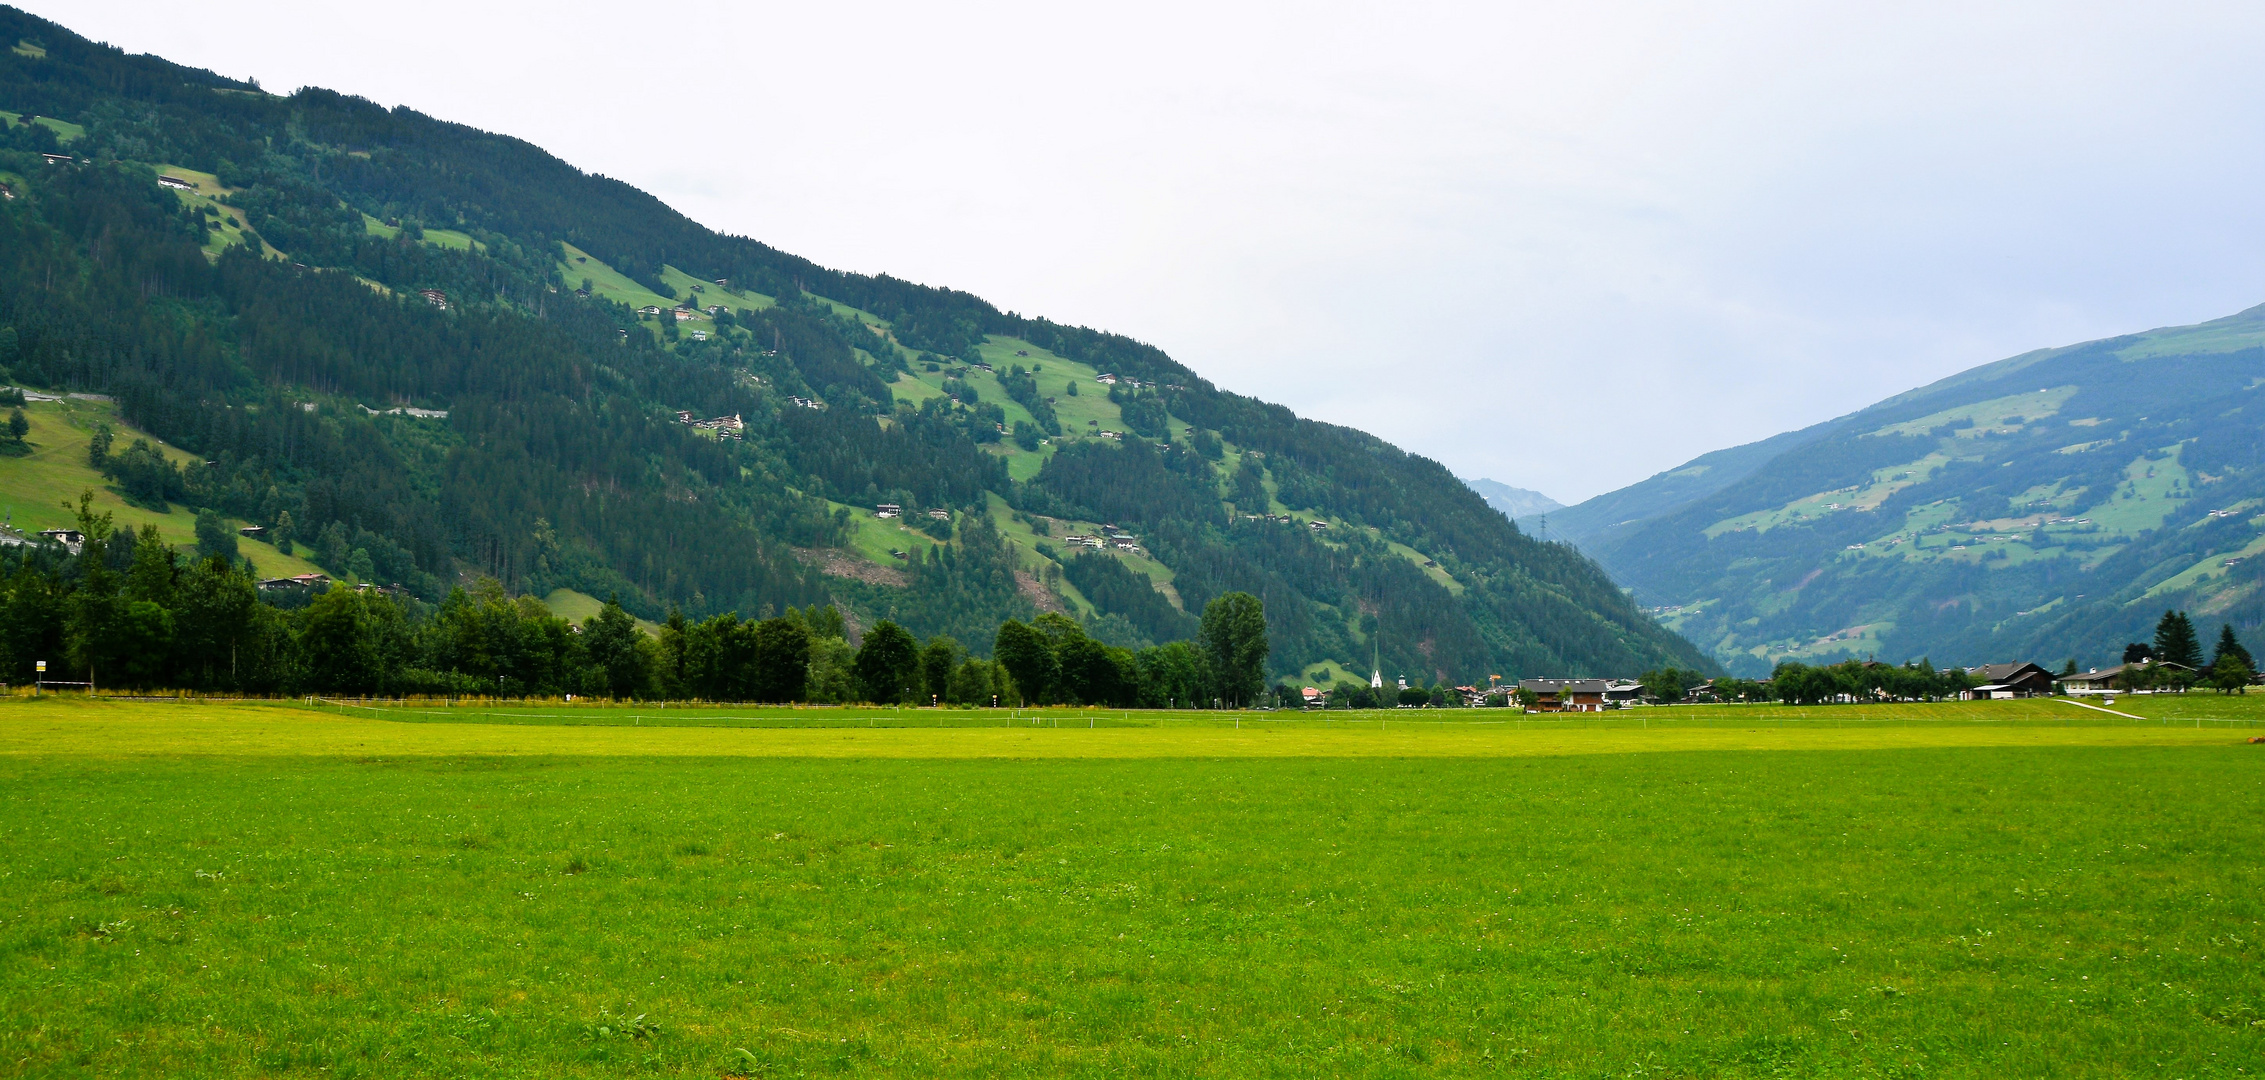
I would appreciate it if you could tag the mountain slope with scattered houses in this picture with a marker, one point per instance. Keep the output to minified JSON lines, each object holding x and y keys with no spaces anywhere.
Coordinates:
{"x":448,"y":353}
{"x":2051,"y":506}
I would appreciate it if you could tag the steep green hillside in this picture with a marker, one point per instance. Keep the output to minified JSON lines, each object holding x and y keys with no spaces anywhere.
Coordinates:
{"x":2043,"y":507}
{"x":53,"y":468}
{"x":452,"y":354}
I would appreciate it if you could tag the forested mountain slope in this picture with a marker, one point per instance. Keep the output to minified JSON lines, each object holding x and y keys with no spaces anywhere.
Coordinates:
{"x":2044,"y":507}
{"x":433,"y":352}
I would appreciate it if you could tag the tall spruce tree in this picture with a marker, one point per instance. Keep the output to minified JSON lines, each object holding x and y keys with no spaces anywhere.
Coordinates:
{"x":2175,"y":642}
{"x":2229,"y":645}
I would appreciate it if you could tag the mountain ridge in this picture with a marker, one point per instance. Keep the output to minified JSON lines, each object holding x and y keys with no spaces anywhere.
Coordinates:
{"x":2051,"y":502}
{"x":1513,"y":502}
{"x":312,"y":260}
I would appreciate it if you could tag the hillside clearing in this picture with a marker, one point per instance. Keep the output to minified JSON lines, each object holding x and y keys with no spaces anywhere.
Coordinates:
{"x":33,"y":487}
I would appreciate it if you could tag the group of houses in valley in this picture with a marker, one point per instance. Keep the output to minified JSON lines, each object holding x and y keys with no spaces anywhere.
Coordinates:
{"x":1985,"y":682}
{"x":1577,"y":695}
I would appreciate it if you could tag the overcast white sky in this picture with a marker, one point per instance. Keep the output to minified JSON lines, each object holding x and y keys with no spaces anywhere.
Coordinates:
{"x":1561,"y":245}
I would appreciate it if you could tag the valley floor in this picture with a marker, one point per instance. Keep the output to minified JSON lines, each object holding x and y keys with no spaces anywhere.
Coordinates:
{"x":1962,"y":890}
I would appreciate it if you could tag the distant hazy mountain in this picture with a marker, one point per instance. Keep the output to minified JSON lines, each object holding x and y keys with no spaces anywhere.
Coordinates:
{"x":2045,"y":507}
{"x":1514,"y":502}
{"x":1599,"y":518}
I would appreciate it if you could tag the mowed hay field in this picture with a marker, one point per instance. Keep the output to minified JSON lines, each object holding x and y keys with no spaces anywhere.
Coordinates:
{"x":203,"y":890}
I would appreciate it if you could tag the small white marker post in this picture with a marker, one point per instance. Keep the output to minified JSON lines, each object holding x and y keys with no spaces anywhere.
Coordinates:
{"x":40,"y":670}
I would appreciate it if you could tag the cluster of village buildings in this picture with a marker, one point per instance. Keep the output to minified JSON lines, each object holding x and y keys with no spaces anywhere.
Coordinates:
{"x":1111,"y":537}
{"x":892,"y":510}
{"x":725,"y":427}
{"x":1992,"y":682}
{"x":1316,"y":525}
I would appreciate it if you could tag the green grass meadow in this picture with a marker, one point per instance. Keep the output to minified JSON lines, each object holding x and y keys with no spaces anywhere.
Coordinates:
{"x":537,"y":890}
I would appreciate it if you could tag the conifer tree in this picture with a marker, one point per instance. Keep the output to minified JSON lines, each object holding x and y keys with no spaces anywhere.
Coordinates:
{"x":2175,"y":642}
{"x":2230,"y":646}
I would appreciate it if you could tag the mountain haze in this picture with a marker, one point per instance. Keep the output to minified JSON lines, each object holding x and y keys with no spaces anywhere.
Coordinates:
{"x":2045,"y":507}
{"x":436,"y":353}
{"x":1514,"y":502}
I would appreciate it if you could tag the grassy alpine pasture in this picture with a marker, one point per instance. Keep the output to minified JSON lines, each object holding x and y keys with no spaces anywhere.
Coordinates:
{"x":264,"y":890}
{"x":35,"y":485}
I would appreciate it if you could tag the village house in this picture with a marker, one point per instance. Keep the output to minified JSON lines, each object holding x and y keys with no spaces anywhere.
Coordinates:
{"x":649,"y":309}
{"x":57,"y":159}
{"x":71,"y":539}
{"x":699,"y":335}
{"x":2009,"y":681}
{"x":888,"y":510}
{"x":1318,"y":526}
{"x":1566,"y":695}
{"x":1622,"y":691}
{"x":684,"y":314}
{"x":940,"y":515}
{"x":253,"y":532}
{"x":1313,"y":698}
{"x":176,"y":183}
{"x":435,"y":297}
{"x":2103,"y":680}
{"x":310,"y":582}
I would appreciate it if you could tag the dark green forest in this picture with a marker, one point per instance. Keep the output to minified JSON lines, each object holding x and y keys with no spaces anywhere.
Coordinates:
{"x":127,"y":611}
{"x":560,"y":462}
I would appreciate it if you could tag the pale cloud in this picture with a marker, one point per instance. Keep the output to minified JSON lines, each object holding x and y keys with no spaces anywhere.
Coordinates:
{"x":1561,"y":245}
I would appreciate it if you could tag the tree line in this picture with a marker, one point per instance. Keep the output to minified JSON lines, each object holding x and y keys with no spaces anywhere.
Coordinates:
{"x":127,"y":611}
